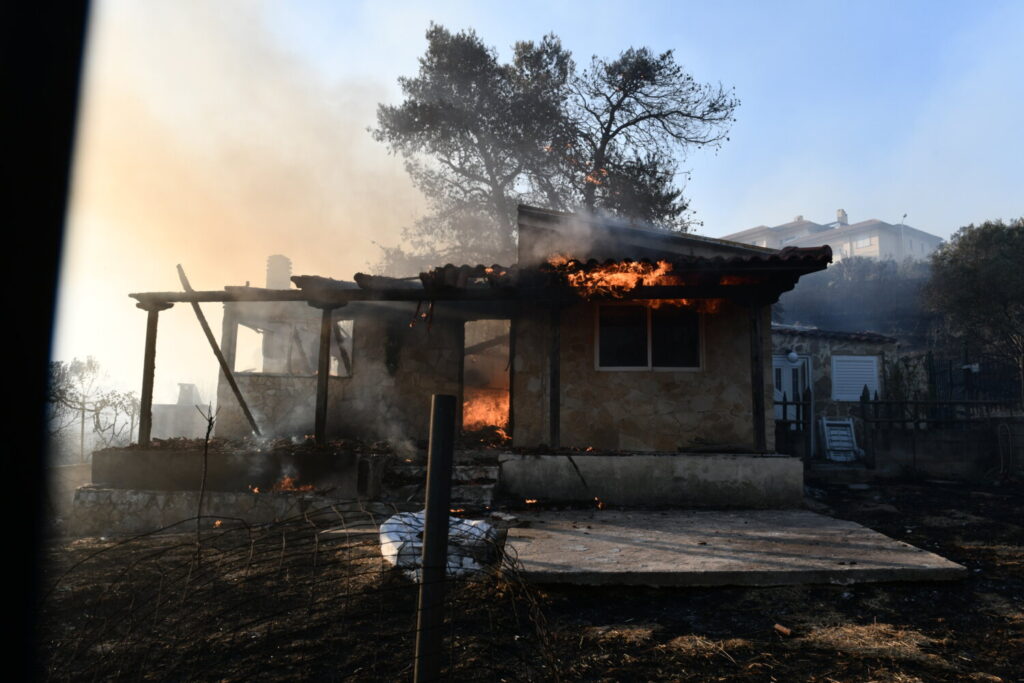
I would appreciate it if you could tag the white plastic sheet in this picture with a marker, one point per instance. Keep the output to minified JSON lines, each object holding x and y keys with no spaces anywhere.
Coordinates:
{"x":470,"y":543}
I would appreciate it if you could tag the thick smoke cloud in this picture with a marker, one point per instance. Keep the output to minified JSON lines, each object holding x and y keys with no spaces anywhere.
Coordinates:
{"x":204,"y":143}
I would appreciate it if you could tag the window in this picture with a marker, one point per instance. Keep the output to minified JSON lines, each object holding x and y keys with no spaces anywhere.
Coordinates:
{"x":850,"y":374}
{"x":641,"y":337}
{"x":864,"y":242}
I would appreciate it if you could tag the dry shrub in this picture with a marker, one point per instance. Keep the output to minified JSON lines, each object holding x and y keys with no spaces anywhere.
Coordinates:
{"x":696,"y":646}
{"x":625,"y":634}
{"x":876,"y":640}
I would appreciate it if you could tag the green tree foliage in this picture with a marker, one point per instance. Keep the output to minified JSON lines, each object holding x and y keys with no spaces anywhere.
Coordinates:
{"x":977,"y":285}
{"x":480,"y":136}
{"x":860,"y":294}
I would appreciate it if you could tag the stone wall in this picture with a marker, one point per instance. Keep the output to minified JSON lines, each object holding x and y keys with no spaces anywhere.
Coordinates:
{"x":101,"y":511}
{"x":642,"y":410}
{"x":395,"y":370}
{"x":347,"y":473}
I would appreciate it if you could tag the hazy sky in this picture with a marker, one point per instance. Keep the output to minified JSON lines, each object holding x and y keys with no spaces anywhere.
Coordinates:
{"x":213,"y":134}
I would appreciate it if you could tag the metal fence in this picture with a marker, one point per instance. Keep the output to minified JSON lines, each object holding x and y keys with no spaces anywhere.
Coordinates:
{"x":976,"y":377}
{"x":794,"y":425}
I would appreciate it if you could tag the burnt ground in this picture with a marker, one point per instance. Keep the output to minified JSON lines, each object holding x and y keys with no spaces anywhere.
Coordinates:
{"x":283,"y":603}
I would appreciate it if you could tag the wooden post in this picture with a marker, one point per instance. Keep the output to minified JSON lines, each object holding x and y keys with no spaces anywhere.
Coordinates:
{"x":323,"y":372}
{"x":757,"y":378}
{"x":430,"y":618}
{"x":512,"y":332}
{"x":148,"y":370}
{"x":555,"y":378}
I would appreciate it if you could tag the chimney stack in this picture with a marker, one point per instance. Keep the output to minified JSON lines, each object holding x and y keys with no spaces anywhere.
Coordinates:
{"x":798,"y":218}
{"x":279,"y":272}
{"x":841,"y":217}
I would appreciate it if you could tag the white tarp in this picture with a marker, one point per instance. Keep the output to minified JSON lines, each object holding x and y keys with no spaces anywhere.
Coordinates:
{"x":470,"y":543}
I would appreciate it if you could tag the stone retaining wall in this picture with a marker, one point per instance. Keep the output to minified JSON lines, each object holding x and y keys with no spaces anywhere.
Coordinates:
{"x":107,"y":512}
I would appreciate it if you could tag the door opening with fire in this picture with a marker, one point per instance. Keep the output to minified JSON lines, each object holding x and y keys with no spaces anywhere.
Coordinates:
{"x":485,"y":388}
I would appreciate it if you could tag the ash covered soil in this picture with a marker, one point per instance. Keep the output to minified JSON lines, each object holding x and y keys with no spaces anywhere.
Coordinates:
{"x":285,"y":602}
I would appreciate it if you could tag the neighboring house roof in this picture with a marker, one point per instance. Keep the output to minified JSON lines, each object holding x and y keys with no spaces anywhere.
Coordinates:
{"x":825,"y":232}
{"x":794,"y":330}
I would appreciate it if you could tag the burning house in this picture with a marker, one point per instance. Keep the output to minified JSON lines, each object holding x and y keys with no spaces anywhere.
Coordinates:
{"x":602,"y":336}
{"x":603,"y":339}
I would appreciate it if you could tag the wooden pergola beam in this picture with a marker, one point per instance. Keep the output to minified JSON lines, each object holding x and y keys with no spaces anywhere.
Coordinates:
{"x":760,"y":293}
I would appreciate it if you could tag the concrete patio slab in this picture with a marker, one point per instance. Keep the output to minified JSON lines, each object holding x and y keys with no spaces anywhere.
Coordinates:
{"x":708,"y":548}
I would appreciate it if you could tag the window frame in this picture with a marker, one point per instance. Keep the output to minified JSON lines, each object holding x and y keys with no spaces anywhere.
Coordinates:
{"x":650,"y":341}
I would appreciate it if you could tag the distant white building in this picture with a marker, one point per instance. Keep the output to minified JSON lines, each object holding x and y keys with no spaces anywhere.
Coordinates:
{"x":872,"y":238}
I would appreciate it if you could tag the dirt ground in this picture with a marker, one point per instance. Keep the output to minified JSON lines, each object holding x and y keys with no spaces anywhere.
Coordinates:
{"x":288,"y":603}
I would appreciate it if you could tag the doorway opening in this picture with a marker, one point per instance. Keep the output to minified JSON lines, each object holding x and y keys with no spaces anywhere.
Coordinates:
{"x":485,"y":377}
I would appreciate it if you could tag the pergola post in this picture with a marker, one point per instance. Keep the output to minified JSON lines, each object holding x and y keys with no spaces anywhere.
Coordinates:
{"x":323,"y":370}
{"x":148,"y":369}
{"x":757,"y":377}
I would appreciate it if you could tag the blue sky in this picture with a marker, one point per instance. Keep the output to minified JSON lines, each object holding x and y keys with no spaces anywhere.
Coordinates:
{"x":214,"y":134}
{"x":882,"y":108}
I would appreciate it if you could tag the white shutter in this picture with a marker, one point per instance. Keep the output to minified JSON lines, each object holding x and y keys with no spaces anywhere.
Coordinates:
{"x":850,"y":374}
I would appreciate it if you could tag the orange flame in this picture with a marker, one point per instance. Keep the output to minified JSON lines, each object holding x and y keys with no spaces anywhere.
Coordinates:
{"x":615,"y":279}
{"x":254,"y":489}
{"x":482,"y":408}
{"x":737,"y":280}
{"x":530,"y":501}
{"x":600,"y":503}
{"x":699,"y":305}
{"x":216,"y":525}
{"x":288,"y":484}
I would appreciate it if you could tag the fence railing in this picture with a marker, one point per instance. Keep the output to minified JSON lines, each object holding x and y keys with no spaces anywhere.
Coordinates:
{"x":794,"y":430}
{"x":922,"y":414}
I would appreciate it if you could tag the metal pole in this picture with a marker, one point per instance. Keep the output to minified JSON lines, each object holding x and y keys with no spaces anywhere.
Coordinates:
{"x":148,"y":370}
{"x":430,"y":621}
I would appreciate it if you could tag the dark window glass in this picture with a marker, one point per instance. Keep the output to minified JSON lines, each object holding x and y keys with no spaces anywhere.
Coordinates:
{"x":622,"y":340}
{"x":675,"y":338}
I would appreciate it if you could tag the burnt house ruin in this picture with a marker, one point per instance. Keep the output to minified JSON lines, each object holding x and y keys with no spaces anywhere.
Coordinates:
{"x":603,"y":337}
